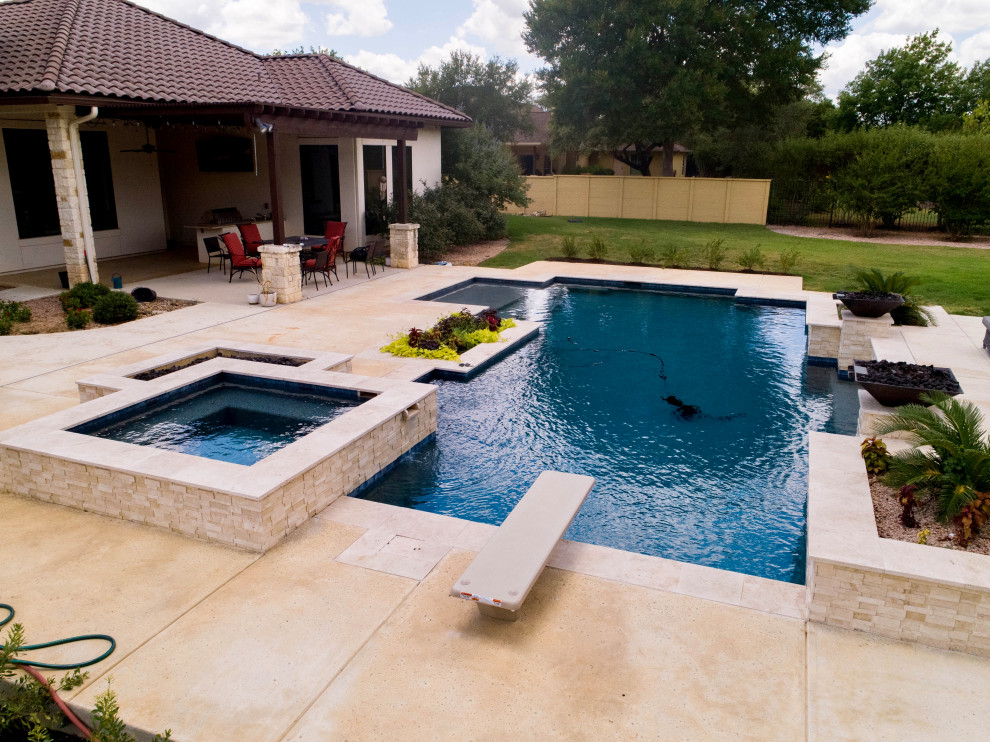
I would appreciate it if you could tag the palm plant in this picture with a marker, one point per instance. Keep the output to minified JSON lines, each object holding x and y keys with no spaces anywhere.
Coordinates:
{"x":910,"y":312}
{"x":950,"y":458}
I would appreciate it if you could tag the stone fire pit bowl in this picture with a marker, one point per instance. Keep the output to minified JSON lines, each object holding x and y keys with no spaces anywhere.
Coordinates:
{"x":895,"y":384}
{"x":866,"y":304}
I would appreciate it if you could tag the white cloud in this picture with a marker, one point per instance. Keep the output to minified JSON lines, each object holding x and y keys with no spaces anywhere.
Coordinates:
{"x":256,"y":24}
{"x":395,"y":68}
{"x":975,"y":49}
{"x":911,"y":17}
{"x":359,"y":18}
{"x":849,"y":58}
{"x":499,"y":22}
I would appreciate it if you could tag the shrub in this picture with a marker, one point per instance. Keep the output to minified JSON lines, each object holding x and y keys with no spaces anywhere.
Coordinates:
{"x":641,"y":253}
{"x":910,"y":312}
{"x":14,"y":311}
{"x":115,"y":308}
{"x":570,"y":247}
{"x":83,"y":295}
{"x":950,"y":456}
{"x":672,"y":255}
{"x":714,"y":253}
{"x":6,"y":326}
{"x":875,"y":455}
{"x":77,"y":319}
{"x":450,"y":336}
{"x":597,"y":249}
{"x":959,"y":182}
{"x":788,"y":260}
{"x":751,"y":259}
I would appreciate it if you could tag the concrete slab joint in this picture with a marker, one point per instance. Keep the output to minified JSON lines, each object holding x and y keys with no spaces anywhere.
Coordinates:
{"x":404,"y":241}
{"x":280,"y":269}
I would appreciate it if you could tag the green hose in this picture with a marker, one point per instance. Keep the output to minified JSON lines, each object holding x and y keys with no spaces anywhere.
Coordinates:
{"x":56,"y":643}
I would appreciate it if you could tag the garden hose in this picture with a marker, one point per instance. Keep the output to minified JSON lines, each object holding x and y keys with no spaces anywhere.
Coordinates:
{"x":58,"y":642}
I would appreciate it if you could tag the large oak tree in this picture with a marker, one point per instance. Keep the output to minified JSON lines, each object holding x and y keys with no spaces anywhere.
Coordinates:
{"x":632,"y":76}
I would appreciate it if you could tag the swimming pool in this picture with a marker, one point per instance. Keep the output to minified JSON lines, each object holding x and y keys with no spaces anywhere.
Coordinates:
{"x":723,"y":485}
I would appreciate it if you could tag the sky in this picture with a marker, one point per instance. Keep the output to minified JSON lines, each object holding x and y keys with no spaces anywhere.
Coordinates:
{"x":390,"y":38}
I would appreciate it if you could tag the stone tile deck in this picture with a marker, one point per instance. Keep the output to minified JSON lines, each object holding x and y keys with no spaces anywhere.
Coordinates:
{"x":345,"y":630}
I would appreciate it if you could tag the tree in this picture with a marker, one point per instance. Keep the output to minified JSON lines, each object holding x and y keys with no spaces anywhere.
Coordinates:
{"x":302,"y":50}
{"x":492,"y":93}
{"x":915,"y":84}
{"x":636,"y":76}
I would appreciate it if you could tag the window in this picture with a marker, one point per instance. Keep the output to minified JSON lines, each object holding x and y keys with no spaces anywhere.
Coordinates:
{"x":375,"y":191}
{"x":29,"y":165}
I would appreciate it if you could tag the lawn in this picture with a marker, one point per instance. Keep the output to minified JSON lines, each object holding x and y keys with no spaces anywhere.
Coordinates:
{"x":957,"y":278}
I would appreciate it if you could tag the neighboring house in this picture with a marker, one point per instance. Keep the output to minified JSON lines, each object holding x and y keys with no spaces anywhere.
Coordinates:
{"x":162,"y":124}
{"x":533,"y":152}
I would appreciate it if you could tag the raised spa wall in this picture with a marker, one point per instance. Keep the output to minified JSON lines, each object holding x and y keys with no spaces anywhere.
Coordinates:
{"x":251,"y":508}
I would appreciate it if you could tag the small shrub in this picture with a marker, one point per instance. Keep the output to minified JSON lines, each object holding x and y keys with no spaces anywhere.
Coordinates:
{"x":672,"y":255}
{"x":910,"y":312}
{"x":77,"y":319}
{"x":971,"y":518}
{"x":570,"y":247}
{"x":115,"y":308}
{"x":751,"y":259}
{"x":597,"y":249}
{"x":83,"y":295}
{"x":450,"y":336}
{"x":788,"y":260}
{"x":875,"y":455}
{"x":641,"y":253}
{"x":714,"y":253}
{"x":14,"y":311}
{"x":6,"y":326}
{"x":908,"y":502}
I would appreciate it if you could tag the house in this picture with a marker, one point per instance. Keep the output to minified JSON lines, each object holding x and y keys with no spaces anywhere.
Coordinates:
{"x":166,"y":131}
{"x":532,"y":148}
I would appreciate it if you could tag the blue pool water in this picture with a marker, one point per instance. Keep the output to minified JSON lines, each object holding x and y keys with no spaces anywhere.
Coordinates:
{"x":228,"y":417}
{"x":726,"y":488}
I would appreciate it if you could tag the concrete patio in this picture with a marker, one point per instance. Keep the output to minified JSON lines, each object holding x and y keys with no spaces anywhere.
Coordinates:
{"x":345,"y":630}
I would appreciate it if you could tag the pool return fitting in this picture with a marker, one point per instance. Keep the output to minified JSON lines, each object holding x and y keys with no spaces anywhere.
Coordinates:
{"x":29,"y":665}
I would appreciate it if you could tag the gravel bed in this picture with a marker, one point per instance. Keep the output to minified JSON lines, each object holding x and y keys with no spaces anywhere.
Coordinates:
{"x":47,"y":315}
{"x":888,"y":514}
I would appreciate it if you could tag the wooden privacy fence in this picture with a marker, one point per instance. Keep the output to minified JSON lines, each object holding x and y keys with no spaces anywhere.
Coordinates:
{"x":726,"y":200}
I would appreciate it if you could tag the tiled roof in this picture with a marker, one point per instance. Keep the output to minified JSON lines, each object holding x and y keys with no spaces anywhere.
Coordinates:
{"x":115,"y":48}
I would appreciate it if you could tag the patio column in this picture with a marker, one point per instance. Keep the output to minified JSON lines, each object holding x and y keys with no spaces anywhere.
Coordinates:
{"x":70,"y":194}
{"x":402,"y":199}
{"x":275,"y":189}
{"x":404,"y":245}
{"x":281,"y":271}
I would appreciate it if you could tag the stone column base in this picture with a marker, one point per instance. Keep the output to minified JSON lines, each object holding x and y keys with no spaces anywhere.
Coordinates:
{"x":404,"y":241}
{"x":855,"y":340}
{"x":280,"y":268}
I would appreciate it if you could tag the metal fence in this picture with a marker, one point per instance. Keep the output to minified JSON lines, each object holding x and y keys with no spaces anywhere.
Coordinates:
{"x":808,"y":204}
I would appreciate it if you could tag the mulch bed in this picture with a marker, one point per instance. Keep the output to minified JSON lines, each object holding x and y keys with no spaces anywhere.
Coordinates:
{"x":888,"y":514}
{"x":47,"y":315}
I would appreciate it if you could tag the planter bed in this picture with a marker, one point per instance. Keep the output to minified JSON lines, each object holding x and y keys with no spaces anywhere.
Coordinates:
{"x":894,"y":384}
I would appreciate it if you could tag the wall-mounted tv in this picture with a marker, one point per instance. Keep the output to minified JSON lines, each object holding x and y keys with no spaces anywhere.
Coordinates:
{"x":224,"y":154}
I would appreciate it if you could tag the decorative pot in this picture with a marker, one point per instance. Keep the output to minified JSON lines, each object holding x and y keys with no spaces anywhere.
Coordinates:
{"x":864,"y":304}
{"x":253,"y":298}
{"x":893,"y":395}
{"x":269,"y":300}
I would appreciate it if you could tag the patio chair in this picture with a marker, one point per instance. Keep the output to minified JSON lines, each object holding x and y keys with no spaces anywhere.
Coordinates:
{"x":334,"y":248}
{"x":215,"y":251}
{"x":238,"y":260}
{"x":252,"y":237}
{"x":316,"y":267}
{"x":334,"y":232}
{"x":370,"y":255}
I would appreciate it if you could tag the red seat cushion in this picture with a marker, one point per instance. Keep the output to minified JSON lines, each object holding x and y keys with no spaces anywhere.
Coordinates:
{"x":311,"y":263}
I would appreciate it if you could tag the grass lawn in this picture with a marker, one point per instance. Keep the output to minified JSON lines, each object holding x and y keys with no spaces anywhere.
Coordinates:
{"x":958,"y":278}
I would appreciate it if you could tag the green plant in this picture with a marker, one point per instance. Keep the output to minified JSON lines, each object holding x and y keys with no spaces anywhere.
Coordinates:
{"x":83,"y":295}
{"x":597,"y":249}
{"x":875,"y":455}
{"x":115,"y":308}
{"x":107,"y":724}
{"x":714,"y":253}
{"x":641,"y":253}
{"x":923,"y":536}
{"x":788,"y":260}
{"x":14,"y":311}
{"x":751,"y":259}
{"x":949,"y":458}
{"x":450,"y":336}
{"x":971,"y":518}
{"x":77,"y":319}
{"x":672,"y":255}
{"x":910,"y":312}
{"x":908,"y":502}
{"x":569,"y":246}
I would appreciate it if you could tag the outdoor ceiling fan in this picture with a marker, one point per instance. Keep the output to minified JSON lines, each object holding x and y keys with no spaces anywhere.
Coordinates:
{"x":148,"y":148}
